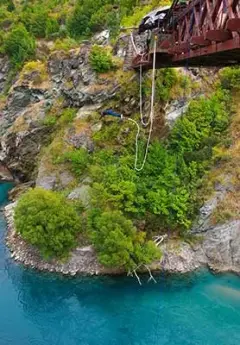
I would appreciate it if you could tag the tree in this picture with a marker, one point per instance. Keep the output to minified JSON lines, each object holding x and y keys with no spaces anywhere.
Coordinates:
{"x":19,"y":45}
{"x":100,"y":59}
{"x":46,"y":220}
{"x":118,"y":243}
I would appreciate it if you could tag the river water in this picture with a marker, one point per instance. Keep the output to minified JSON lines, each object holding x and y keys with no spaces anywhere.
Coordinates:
{"x":45,"y":309}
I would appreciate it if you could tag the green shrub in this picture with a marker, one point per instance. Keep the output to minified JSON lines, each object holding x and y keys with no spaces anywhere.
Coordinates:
{"x":49,"y":121}
{"x":46,"y":220}
{"x":100,"y":59}
{"x":67,"y":117}
{"x":19,"y":45}
{"x":167,"y":187}
{"x":118,"y":243}
{"x":65,"y":44}
{"x":78,"y":159}
{"x":230,"y":78}
{"x":35,"y":20}
{"x":52,"y":27}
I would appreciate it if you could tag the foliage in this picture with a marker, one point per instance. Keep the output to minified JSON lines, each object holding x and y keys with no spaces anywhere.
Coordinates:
{"x":167,"y":187}
{"x":39,"y":68}
{"x":170,"y":84}
{"x":204,"y":117}
{"x":100,"y":59}
{"x":118,"y":243}
{"x":35,"y":19}
{"x":78,"y":160}
{"x":90,"y":16}
{"x":65,"y":44}
{"x":19,"y":45}
{"x":52,"y":27}
{"x":230,"y":78}
{"x":46,"y":220}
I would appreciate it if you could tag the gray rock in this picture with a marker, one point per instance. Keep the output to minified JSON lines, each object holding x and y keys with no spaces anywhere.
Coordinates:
{"x":66,"y":178}
{"x":81,"y":193}
{"x":97,"y":127}
{"x":47,"y":182}
{"x":5,"y":175}
{"x":81,"y":140}
{"x":102,"y":38}
{"x":174,"y":111}
{"x":204,"y":220}
{"x":87,"y":110}
{"x":4,"y":69}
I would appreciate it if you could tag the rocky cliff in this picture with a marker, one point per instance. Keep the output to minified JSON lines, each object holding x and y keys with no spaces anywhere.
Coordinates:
{"x":54,"y":105}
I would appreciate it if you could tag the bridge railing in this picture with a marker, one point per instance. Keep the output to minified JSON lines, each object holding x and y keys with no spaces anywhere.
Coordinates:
{"x":205,"y":21}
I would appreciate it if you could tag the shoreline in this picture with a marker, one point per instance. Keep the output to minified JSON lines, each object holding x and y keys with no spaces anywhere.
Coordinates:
{"x":178,"y":257}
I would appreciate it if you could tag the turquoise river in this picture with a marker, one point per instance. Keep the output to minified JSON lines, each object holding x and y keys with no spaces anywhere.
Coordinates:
{"x":46,"y":309}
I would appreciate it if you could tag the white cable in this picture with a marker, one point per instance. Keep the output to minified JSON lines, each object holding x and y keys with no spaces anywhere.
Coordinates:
{"x":137,"y":51}
{"x":151,"y":116}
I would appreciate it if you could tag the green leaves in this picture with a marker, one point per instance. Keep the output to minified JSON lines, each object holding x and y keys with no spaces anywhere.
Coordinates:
{"x":78,"y":159}
{"x":46,"y":220}
{"x":118,"y":242}
{"x":19,"y":45}
{"x":100,"y":59}
{"x":230,"y":78}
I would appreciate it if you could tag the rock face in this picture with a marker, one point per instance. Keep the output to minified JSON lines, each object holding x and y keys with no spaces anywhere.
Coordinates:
{"x":204,"y":220}
{"x":22,"y":142}
{"x":74,"y":79}
{"x":4,"y":69}
{"x":70,"y":78}
{"x":218,"y":249}
{"x":5,"y":175}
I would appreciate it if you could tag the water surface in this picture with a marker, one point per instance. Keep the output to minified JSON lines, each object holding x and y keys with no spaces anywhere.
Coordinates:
{"x":45,"y":309}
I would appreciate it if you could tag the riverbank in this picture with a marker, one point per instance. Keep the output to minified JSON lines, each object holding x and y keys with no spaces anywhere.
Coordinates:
{"x":217,"y":248}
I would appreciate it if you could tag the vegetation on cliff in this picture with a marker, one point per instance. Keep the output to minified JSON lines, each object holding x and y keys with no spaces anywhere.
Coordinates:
{"x":59,"y":20}
{"x":126,"y":208}
{"x":45,"y":219}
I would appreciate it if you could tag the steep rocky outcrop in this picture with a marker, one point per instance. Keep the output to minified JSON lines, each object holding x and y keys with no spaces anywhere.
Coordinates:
{"x":70,"y":82}
{"x":217,"y":248}
{"x":4,"y":70}
{"x":23,"y":141}
{"x":71,"y":78}
{"x":5,"y":175}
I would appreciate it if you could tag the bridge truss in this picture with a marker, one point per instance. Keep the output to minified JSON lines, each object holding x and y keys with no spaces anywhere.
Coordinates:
{"x":199,"y":33}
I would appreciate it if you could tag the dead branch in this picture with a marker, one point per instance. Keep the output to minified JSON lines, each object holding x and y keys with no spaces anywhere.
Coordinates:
{"x":135,"y":273}
{"x":150,"y":275}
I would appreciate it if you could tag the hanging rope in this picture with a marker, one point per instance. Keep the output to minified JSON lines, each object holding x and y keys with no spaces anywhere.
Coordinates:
{"x":151,"y":117}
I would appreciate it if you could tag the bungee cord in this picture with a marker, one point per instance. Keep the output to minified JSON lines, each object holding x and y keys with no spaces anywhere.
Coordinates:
{"x":151,"y":116}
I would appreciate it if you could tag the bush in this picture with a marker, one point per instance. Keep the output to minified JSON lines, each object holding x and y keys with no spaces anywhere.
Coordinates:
{"x":52,"y":27}
{"x":100,"y":59}
{"x":19,"y":45}
{"x":118,"y":243}
{"x":78,"y":159}
{"x":230,"y":78}
{"x":46,"y":220}
{"x":40,"y":71}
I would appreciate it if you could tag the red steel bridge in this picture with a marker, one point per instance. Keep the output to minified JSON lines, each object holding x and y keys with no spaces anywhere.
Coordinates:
{"x":196,"y":33}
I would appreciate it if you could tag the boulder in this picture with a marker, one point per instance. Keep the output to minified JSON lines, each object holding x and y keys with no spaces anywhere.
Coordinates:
{"x":101,"y":38}
{"x":5,"y":175}
{"x":81,"y":193}
{"x":87,"y":110}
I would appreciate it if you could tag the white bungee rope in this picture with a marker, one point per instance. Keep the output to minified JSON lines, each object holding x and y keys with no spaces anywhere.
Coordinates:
{"x":151,"y":116}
